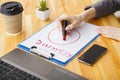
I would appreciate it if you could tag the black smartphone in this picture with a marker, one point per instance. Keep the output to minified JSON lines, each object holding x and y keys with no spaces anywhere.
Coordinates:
{"x":92,"y":54}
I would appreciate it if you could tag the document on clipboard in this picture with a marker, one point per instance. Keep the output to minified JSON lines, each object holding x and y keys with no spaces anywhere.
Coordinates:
{"x":49,"y":40}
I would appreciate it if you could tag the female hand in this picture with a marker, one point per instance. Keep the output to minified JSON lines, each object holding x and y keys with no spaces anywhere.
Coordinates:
{"x":110,"y":32}
{"x":73,"y":21}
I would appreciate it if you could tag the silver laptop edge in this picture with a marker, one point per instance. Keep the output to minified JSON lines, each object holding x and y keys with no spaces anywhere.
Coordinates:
{"x":32,"y":64}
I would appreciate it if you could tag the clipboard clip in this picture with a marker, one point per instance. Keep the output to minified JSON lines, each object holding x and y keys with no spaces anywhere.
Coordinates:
{"x":41,"y":52}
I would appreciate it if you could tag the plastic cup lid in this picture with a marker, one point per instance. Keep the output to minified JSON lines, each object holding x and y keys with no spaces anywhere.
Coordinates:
{"x":11,"y":8}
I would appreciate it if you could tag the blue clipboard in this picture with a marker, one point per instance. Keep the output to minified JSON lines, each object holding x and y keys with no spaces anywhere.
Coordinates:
{"x":55,"y":60}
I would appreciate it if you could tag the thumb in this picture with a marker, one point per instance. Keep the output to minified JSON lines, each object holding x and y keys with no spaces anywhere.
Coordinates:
{"x":69,"y":27}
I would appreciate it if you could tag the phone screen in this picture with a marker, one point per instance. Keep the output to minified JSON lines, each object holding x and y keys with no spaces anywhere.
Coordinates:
{"x":92,"y":54}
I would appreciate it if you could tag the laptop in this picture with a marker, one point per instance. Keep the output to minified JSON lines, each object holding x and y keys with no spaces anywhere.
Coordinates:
{"x":19,"y":65}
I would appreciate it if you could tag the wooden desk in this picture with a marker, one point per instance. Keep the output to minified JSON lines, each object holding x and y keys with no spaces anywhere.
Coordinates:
{"x":106,"y":68}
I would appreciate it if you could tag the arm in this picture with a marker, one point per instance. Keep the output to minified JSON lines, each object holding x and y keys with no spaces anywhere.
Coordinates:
{"x":99,"y":9}
{"x":74,"y":21}
{"x":105,"y":7}
{"x":88,"y":14}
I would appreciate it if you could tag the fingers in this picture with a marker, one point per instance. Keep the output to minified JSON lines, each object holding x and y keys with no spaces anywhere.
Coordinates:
{"x":69,"y":27}
{"x":110,"y":32}
{"x":60,"y":20}
{"x":73,"y":21}
{"x":104,"y":31}
{"x":64,"y":17}
{"x":59,"y":24}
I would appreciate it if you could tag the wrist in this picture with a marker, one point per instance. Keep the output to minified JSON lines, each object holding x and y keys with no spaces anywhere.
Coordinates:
{"x":88,"y":14}
{"x":80,"y":17}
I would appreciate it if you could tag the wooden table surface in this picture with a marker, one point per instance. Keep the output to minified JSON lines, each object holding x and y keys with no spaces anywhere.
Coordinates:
{"x":106,"y":68}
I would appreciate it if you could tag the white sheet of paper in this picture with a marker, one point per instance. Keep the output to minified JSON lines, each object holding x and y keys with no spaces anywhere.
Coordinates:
{"x":50,"y":39}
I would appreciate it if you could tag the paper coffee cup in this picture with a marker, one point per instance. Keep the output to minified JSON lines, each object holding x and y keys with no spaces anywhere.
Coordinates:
{"x":12,"y":16}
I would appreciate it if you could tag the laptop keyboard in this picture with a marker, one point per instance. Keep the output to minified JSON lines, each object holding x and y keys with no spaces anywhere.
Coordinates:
{"x":9,"y":72}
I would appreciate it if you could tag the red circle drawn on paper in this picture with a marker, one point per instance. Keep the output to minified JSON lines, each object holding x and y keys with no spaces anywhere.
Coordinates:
{"x":56,"y":34}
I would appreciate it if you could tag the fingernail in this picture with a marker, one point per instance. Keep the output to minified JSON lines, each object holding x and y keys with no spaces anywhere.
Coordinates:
{"x":67,"y":28}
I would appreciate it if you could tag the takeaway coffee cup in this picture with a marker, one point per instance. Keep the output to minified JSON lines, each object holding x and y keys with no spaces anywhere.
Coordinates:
{"x":12,"y":16}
